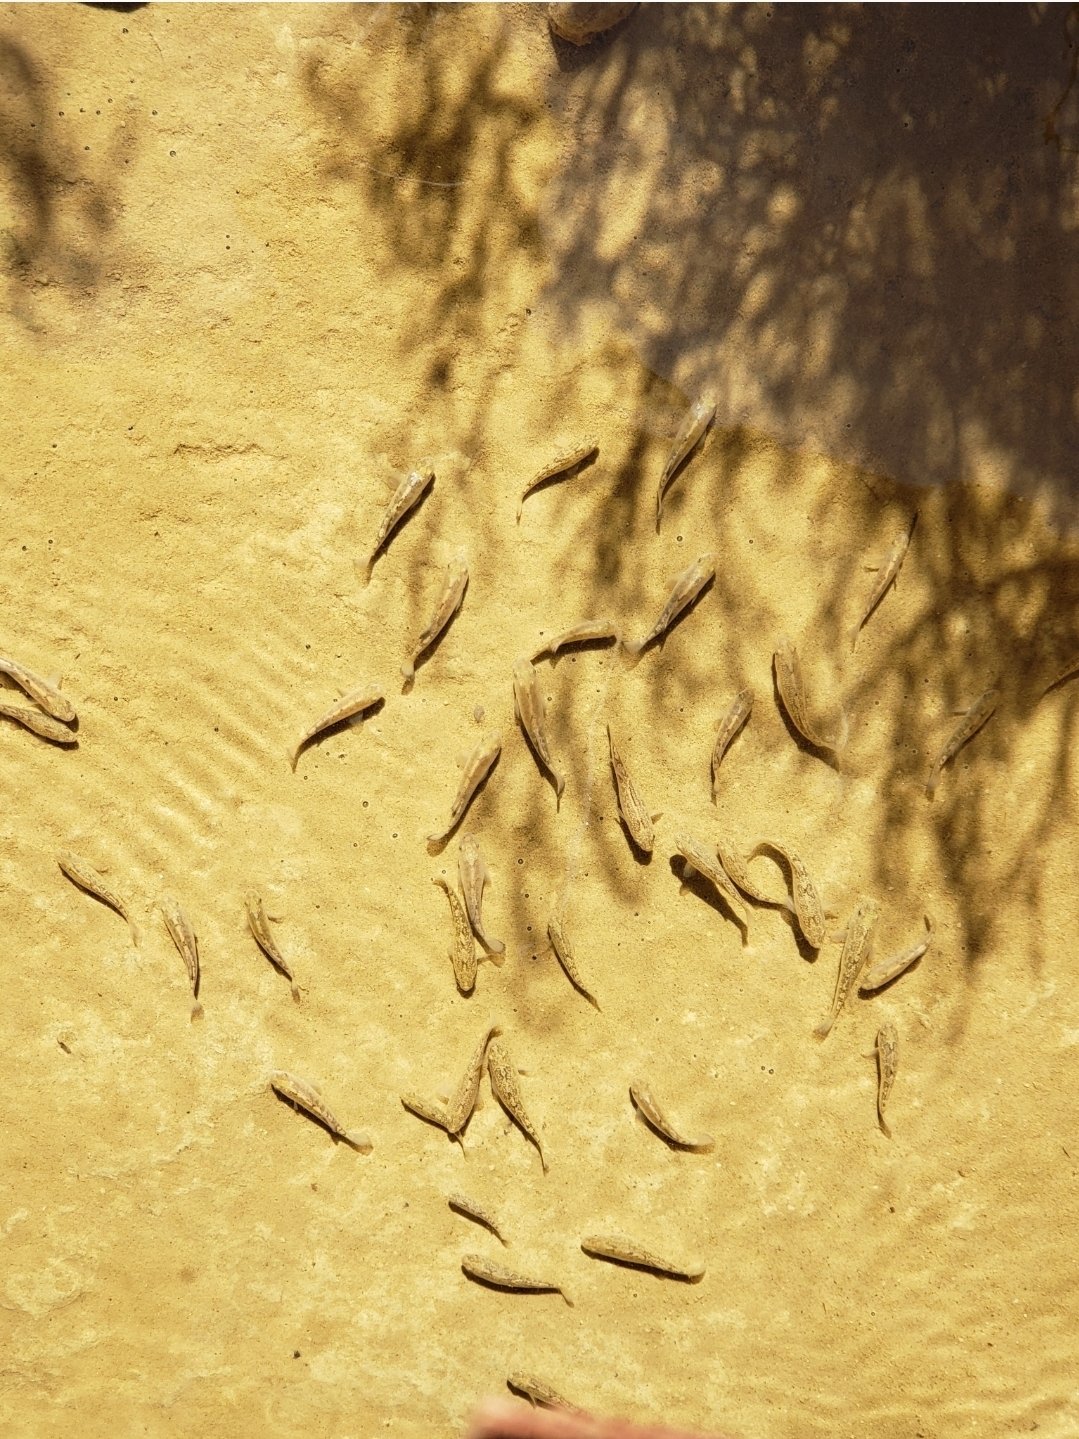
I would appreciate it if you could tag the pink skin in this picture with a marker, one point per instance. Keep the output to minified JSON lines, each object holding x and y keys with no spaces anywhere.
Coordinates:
{"x":505,"y":1419}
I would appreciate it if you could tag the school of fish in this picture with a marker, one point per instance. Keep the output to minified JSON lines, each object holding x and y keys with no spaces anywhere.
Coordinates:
{"x":733,"y":876}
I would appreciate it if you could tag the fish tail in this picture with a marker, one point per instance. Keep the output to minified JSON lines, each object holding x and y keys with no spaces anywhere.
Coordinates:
{"x":823,"y":1029}
{"x":360,"y":1140}
{"x":408,"y":672}
{"x":855,"y":632}
{"x":197,"y":1011}
{"x":133,"y":927}
{"x":566,"y":1297}
{"x":932,"y":782}
{"x":885,"y":1129}
{"x":295,"y":994}
{"x":520,"y":510}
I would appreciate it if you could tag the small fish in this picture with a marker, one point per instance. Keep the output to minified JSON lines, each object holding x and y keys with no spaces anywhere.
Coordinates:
{"x":538,"y":1393}
{"x":893,"y":965}
{"x":976,"y":716}
{"x":44,"y":693}
{"x":259,"y":925}
{"x":566,"y":464}
{"x":489,"y":1271}
{"x":634,"y":814}
{"x":41,"y":724}
{"x":737,"y":871}
{"x":808,"y":909}
{"x":406,"y":497}
{"x":566,"y":959}
{"x":1068,"y":672}
{"x":792,"y":692}
{"x":729,"y":726}
{"x":473,"y":875}
{"x":649,"y":1109}
{"x":449,"y":602}
{"x":428,"y":1110}
{"x":463,"y":1100}
{"x":697,"y":858}
{"x":887,"y":1052}
{"x":856,"y":946}
{"x":303,"y":1095}
{"x":688,"y":435}
{"x":183,"y":937}
{"x":889,"y":573}
{"x":528,"y":700}
{"x":354,"y":703}
{"x":87,"y":878}
{"x":475,"y":1211}
{"x":685,"y":589}
{"x":588,"y":632}
{"x":477,"y":767}
{"x":508,"y":1093}
{"x":620,"y":1250}
{"x":463,"y":953}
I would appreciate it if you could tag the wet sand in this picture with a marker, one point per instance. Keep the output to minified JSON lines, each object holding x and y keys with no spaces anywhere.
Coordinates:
{"x":254,"y":273}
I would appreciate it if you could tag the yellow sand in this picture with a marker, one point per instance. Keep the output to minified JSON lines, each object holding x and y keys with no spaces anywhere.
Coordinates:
{"x":258,"y":263}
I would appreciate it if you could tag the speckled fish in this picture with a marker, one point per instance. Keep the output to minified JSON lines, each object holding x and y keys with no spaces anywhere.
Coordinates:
{"x":697,"y":858}
{"x":737,"y":871}
{"x":184,"y":938}
{"x":792,"y":692}
{"x":631,"y":807}
{"x":259,"y":924}
{"x":528,"y":700}
{"x":430,"y":1111}
{"x":976,"y":716}
{"x":649,"y":1109}
{"x":477,"y":767}
{"x":473,"y":875}
{"x":41,"y":724}
{"x":893,"y":965}
{"x":538,"y":1393}
{"x":588,"y":632}
{"x":406,"y":497}
{"x":303,"y":1095}
{"x":44,"y":693}
{"x":729,"y":726}
{"x":887,"y":1052}
{"x":889,"y":573}
{"x":566,"y":959}
{"x":687,"y":437}
{"x":463,"y":1100}
{"x":1068,"y":672}
{"x":684,"y":591}
{"x":620,"y":1250}
{"x":87,"y":878}
{"x":856,"y":945}
{"x":463,"y":953}
{"x":449,"y":602}
{"x":489,"y":1271}
{"x":354,"y":703}
{"x":475,"y":1211}
{"x":508,"y":1093}
{"x":808,"y":909}
{"x":562,"y":467}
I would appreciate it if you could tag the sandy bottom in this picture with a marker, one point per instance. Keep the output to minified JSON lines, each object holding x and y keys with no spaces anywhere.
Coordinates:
{"x":258,"y":264}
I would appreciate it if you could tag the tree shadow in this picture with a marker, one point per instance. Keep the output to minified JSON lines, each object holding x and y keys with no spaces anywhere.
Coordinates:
{"x":859,"y":231}
{"x":63,"y":203}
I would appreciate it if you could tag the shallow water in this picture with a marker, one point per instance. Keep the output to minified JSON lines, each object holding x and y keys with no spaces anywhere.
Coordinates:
{"x":303,"y":252}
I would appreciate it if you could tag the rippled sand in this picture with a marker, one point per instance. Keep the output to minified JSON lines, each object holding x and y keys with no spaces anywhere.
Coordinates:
{"x":254,"y":272}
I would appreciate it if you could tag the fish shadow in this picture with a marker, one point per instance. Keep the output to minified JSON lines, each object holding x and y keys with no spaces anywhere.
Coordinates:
{"x":824,"y":753}
{"x":356,"y":721}
{"x":697,"y":883}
